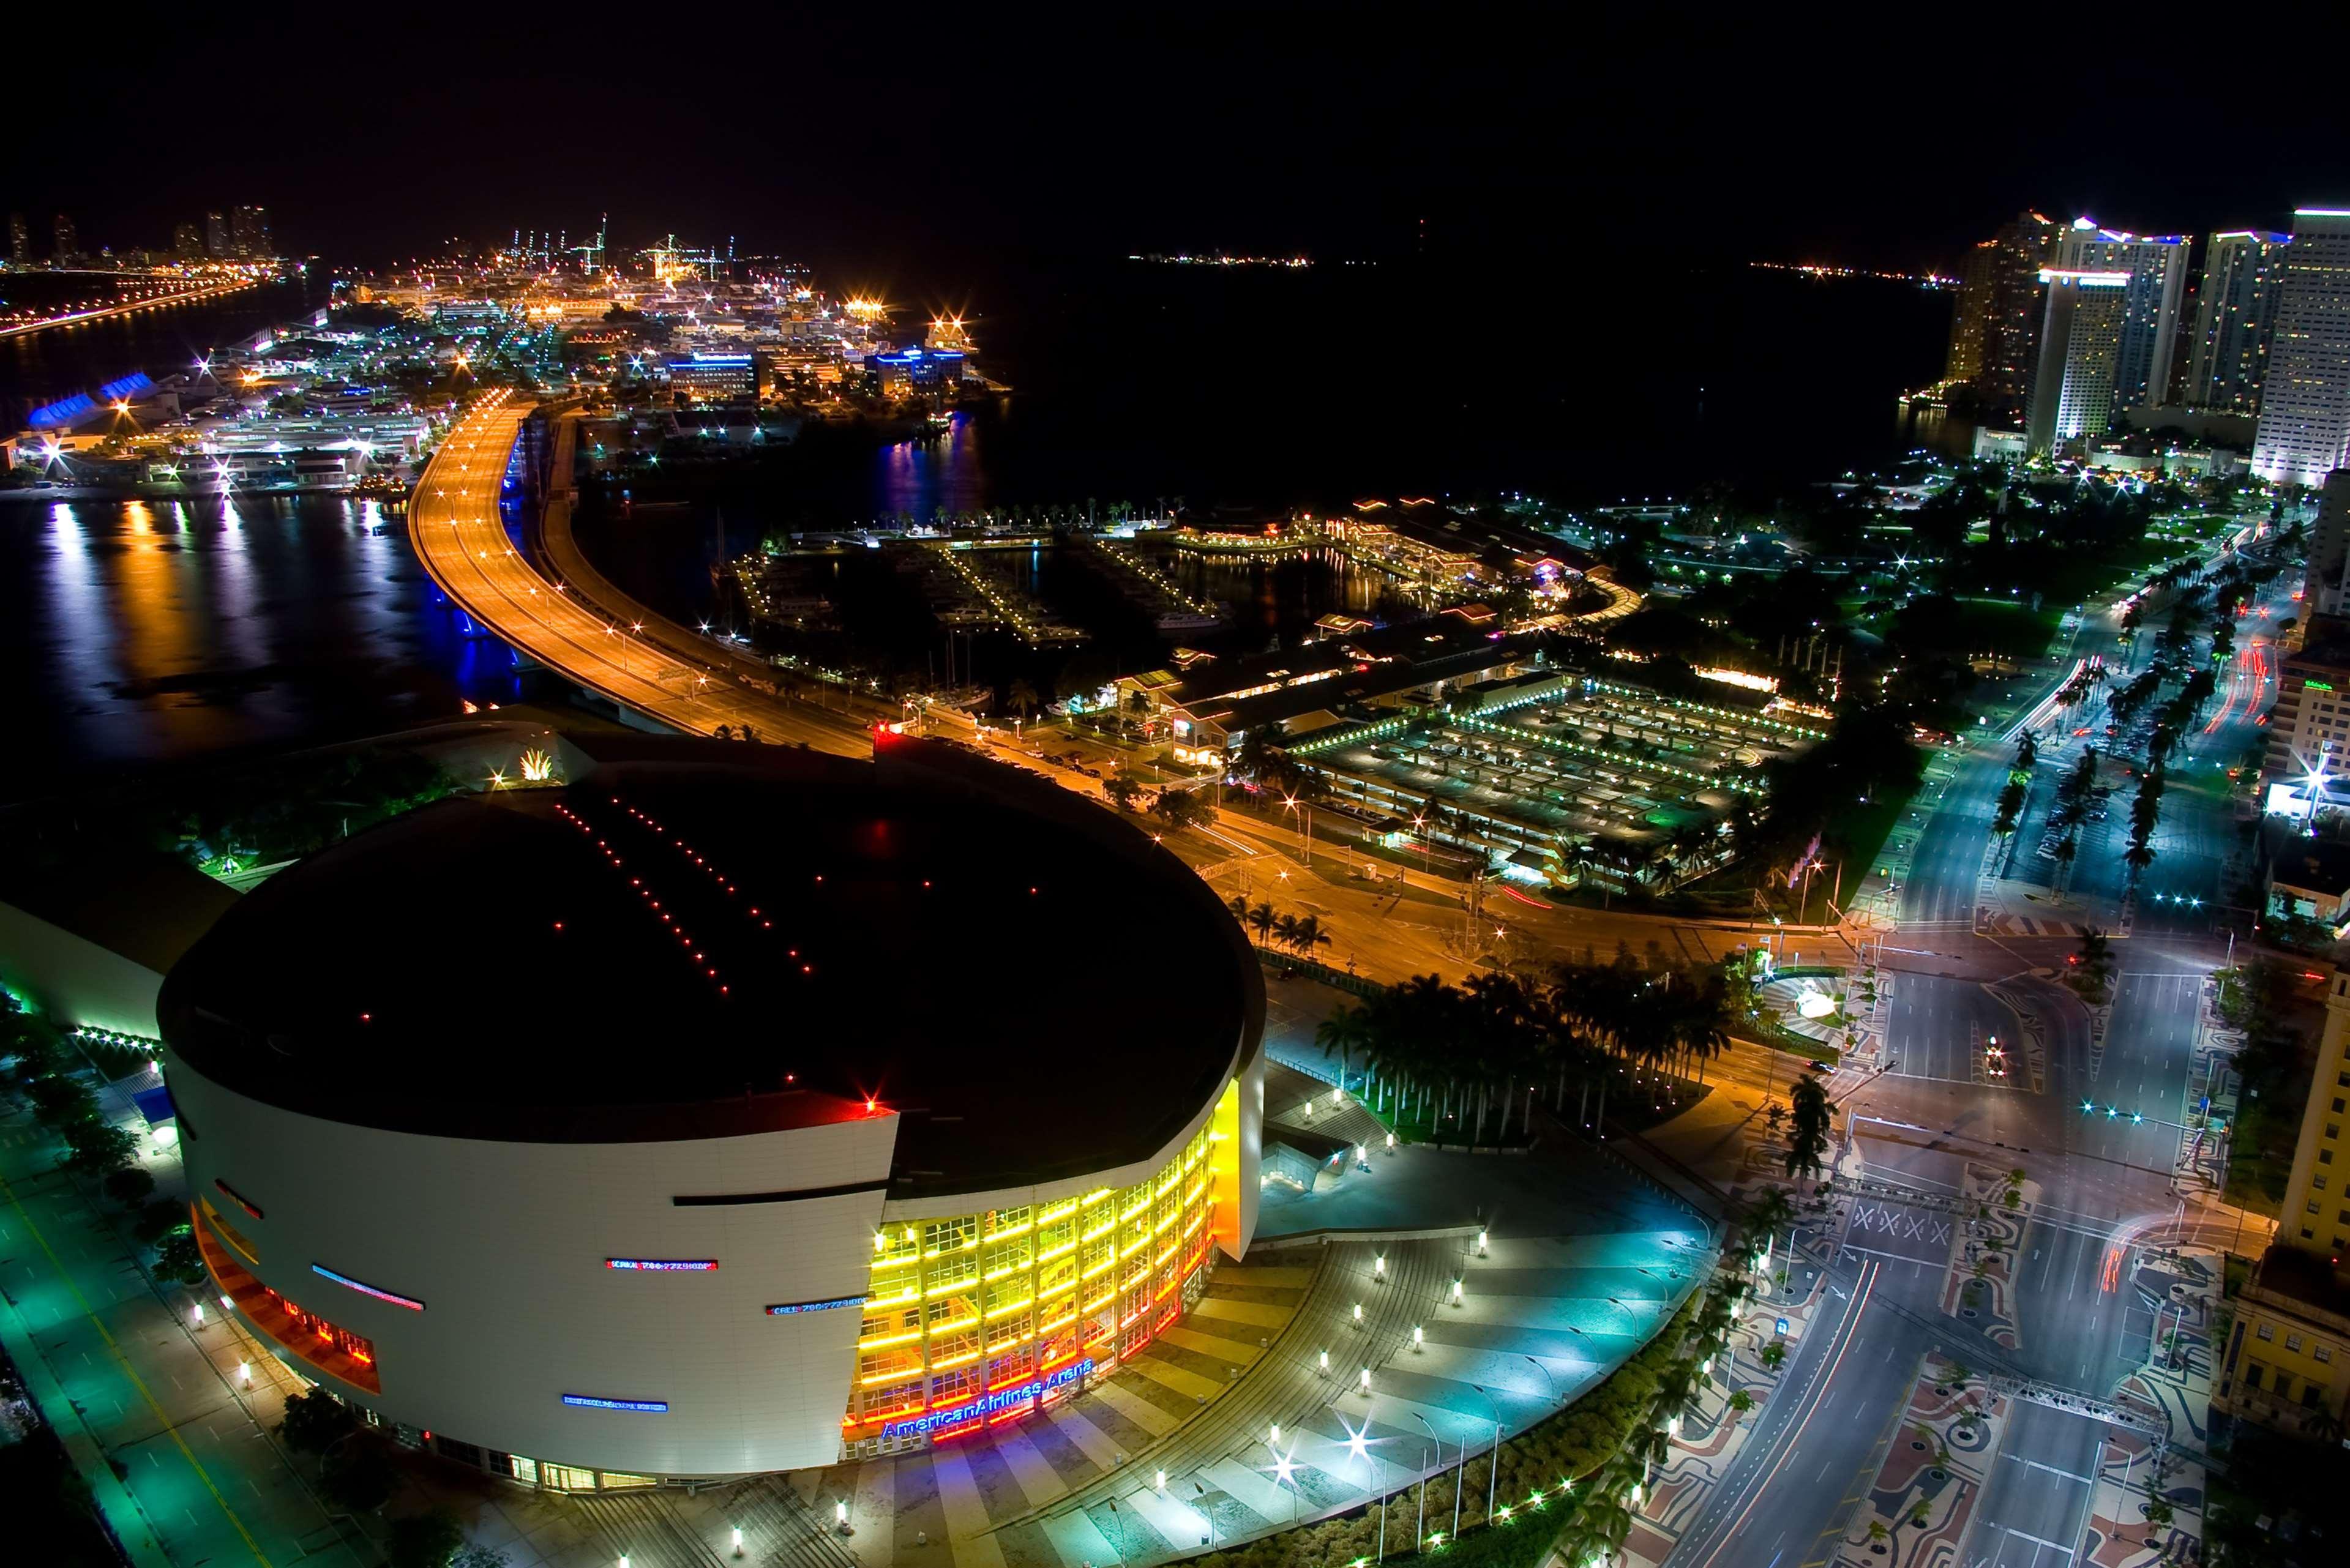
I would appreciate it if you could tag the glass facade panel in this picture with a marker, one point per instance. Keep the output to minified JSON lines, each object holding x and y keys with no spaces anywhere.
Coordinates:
{"x":978,"y":1304}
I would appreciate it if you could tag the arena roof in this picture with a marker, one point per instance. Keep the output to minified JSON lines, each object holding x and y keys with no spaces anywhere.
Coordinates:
{"x":712,"y":939}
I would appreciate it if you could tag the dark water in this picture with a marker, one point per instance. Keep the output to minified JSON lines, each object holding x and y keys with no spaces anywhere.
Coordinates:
{"x":145,"y":634}
{"x":43,"y":366}
{"x":141,"y":632}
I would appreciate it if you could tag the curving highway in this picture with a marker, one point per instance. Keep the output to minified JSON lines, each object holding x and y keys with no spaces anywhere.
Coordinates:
{"x":454,"y":523}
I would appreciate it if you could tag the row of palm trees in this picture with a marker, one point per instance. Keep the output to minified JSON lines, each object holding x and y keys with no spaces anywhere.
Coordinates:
{"x":1607,"y":1501}
{"x":1301,"y":934}
{"x":1430,"y":1050}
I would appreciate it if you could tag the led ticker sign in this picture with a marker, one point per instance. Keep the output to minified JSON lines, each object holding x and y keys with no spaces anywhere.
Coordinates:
{"x":643,"y":1406}
{"x":237,"y":1198}
{"x":787,"y":1309}
{"x":991,"y":1404}
{"x":410,"y":1303}
{"x":664,"y":1265}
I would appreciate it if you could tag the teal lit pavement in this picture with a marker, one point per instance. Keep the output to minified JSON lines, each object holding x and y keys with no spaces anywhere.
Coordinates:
{"x":121,"y":1375}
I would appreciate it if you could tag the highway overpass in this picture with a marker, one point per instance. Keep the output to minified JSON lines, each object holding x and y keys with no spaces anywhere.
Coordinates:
{"x":459,"y":535}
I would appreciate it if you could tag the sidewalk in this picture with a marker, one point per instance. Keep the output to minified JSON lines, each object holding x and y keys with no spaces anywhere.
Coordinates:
{"x":147,"y":1402}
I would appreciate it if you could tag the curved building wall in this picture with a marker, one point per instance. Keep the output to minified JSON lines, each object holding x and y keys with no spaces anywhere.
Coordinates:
{"x":985,"y":1307}
{"x":468,"y":1287}
{"x":506,"y":1245}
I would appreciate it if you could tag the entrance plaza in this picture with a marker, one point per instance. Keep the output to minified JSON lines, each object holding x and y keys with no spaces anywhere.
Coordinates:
{"x":1588,"y":757}
{"x":1583,"y":1261}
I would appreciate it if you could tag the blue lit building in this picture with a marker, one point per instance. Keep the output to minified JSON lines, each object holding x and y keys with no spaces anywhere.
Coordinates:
{"x":915,"y":370}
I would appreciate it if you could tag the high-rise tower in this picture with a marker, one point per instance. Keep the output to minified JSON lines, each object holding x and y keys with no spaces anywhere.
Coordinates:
{"x":2233,"y":318}
{"x":2156,"y":270}
{"x":2305,"y":430}
{"x":249,"y":232}
{"x":1997,"y":323}
{"x":2075,"y":389}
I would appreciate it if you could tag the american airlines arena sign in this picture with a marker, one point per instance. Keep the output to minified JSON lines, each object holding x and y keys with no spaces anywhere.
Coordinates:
{"x":993,"y":1403}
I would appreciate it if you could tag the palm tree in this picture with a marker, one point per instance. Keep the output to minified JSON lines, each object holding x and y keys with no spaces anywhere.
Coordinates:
{"x":1020,"y":697}
{"x":1284,"y":930}
{"x":1768,"y":1209}
{"x":1261,"y":918}
{"x":1310,"y":935}
{"x":1239,"y":905}
{"x":1345,"y":1032}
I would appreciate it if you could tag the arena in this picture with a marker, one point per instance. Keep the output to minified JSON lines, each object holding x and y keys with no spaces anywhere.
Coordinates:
{"x":730,"y":1108}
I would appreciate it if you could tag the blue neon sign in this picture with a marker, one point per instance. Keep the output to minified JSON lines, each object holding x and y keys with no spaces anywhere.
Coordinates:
{"x":991,"y":1404}
{"x":646,"y":1406}
{"x":663,"y":1265}
{"x":787,"y":1309}
{"x":410,"y":1303}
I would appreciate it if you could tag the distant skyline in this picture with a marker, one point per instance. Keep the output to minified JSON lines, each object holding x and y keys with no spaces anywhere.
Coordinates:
{"x":846,"y":141}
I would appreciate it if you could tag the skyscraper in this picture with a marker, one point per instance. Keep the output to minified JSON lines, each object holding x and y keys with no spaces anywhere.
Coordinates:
{"x":20,"y":241}
{"x":2075,"y":388}
{"x":2305,"y":430}
{"x":2284,"y":1364}
{"x":66,"y":241}
{"x":187,"y":244}
{"x":249,"y":231}
{"x":1998,"y":319}
{"x":215,"y":235}
{"x":2233,"y":318}
{"x":2156,"y":269}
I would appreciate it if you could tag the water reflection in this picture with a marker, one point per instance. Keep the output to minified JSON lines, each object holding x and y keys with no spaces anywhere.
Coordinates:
{"x":921,"y":479}
{"x":143,"y":631}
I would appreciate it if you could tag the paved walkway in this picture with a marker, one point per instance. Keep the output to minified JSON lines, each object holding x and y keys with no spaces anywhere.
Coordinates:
{"x":148,"y":1401}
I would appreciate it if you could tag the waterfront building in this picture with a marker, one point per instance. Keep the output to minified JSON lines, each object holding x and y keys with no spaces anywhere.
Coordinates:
{"x":66,"y":247}
{"x":2234,"y":314}
{"x":249,"y":232}
{"x":2155,"y":268}
{"x":2287,"y":1364}
{"x":1997,"y":322}
{"x":2075,"y":385}
{"x":187,"y":243}
{"x":20,"y":241}
{"x":915,"y":370}
{"x":718,"y":1171}
{"x":215,"y":235}
{"x":2304,"y":429}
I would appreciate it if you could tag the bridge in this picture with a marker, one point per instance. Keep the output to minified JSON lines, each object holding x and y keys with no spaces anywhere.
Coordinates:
{"x":22,"y":326}
{"x":646,"y":668}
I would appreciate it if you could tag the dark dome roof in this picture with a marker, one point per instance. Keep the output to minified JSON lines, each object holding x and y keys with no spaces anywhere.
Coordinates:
{"x":733,"y":938}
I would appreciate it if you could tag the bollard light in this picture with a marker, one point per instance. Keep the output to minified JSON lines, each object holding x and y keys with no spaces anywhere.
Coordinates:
{"x":1325,"y":1358}
{"x":1456,"y":1292}
{"x":1159,"y":1480}
{"x":738,"y":1541}
{"x":196,"y":1314}
{"x":1366,"y":1382}
{"x":1419,"y":1335}
{"x":244,"y":1372}
{"x":1358,"y":1314}
{"x":1481,"y":1243}
{"x":1275,"y":1438}
{"x":1379,"y":1265}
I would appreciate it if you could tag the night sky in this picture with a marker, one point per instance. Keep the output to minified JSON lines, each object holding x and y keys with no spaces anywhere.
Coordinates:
{"x":938,"y":141}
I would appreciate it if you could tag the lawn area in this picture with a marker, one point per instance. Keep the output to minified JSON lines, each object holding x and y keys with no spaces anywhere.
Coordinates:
{"x":2011,"y":628}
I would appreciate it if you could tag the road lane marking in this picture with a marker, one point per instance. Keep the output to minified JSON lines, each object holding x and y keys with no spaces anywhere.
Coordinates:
{"x":166,"y":1422}
{"x":2051,"y":1469}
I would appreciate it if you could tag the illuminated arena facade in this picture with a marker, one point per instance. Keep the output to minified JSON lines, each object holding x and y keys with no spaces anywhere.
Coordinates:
{"x":730,"y":1108}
